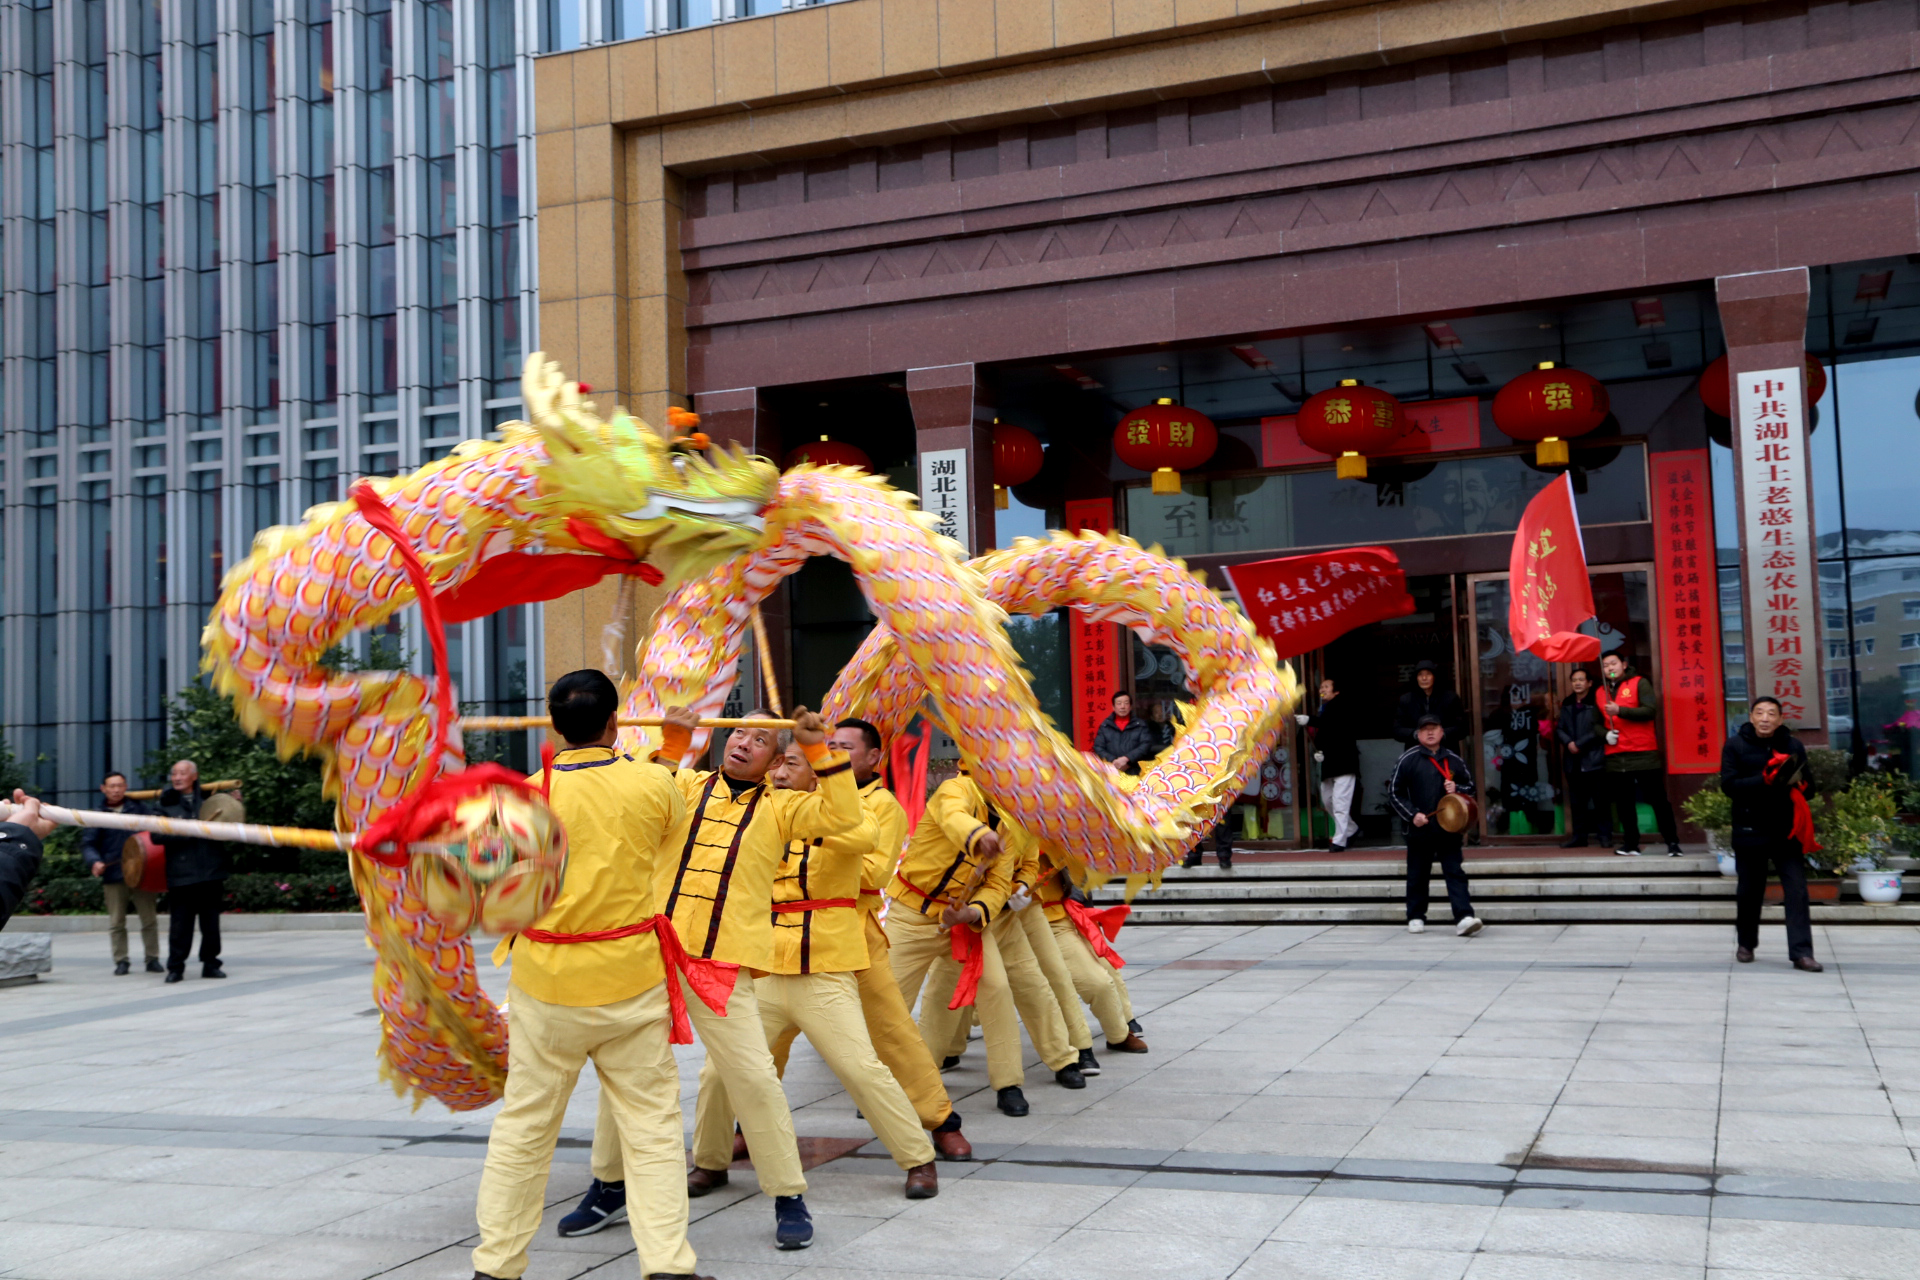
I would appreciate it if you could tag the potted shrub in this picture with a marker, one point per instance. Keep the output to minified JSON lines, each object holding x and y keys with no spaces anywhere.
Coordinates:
{"x":1711,"y":810}
{"x":1855,"y":825}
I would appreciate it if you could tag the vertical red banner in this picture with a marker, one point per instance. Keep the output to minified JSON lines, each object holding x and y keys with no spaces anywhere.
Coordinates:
{"x":1686,"y":594}
{"x":1095,"y":645}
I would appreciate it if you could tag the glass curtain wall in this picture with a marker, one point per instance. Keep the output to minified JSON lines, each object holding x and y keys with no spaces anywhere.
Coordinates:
{"x":250,"y":250}
{"x":569,"y":24}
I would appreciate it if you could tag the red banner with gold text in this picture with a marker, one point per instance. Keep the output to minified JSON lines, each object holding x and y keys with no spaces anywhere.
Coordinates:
{"x":1303,"y":602}
{"x":1686,"y":595}
{"x":1095,"y":646}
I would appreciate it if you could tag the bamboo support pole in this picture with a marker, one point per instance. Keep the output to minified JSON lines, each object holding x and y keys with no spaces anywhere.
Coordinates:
{"x":483,"y":724}
{"x":234,"y":832}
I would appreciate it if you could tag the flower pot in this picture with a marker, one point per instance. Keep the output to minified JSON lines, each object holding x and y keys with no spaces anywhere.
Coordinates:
{"x":1722,"y":854}
{"x":1880,"y":886}
{"x":1817,"y":891}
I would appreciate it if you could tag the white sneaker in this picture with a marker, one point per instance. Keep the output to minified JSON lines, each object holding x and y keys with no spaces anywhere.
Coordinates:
{"x":1416,"y":926}
{"x":1469,"y":926}
{"x":1627,"y":853}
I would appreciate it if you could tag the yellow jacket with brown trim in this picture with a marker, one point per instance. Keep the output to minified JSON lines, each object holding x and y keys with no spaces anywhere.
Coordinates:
{"x":942,"y":864}
{"x":718,"y":882}
{"x":825,"y":869}
{"x":889,"y":842}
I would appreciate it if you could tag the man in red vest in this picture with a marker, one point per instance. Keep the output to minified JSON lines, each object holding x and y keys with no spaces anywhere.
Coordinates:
{"x":1636,"y":769}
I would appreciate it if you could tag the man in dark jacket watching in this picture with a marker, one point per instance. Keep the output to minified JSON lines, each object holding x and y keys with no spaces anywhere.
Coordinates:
{"x":196,"y":878}
{"x":1582,"y":733}
{"x":1763,"y":770}
{"x":100,"y":850}
{"x":1336,"y":748}
{"x":1125,"y":738}
{"x":1636,"y":767}
{"x":1427,"y":698}
{"x":21,"y":831}
{"x":1425,"y":773}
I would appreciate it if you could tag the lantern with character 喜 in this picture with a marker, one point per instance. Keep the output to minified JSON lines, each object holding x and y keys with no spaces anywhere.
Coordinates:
{"x":1350,"y":422}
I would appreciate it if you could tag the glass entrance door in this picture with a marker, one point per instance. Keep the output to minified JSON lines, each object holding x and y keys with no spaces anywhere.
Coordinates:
{"x":1516,"y":697}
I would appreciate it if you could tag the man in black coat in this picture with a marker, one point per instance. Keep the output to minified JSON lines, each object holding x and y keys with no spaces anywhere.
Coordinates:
{"x":1124,"y":738}
{"x":196,"y":878}
{"x":1427,"y":698}
{"x":100,"y":850}
{"x":1582,"y":734}
{"x":1763,"y":770}
{"x":1425,"y":773}
{"x":1336,"y":748}
{"x":21,"y":831}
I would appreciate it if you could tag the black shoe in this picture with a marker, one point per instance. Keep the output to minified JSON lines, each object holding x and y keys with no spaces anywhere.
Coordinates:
{"x":1574,"y":842}
{"x":1226,"y":861}
{"x":212,"y":970}
{"x":604,"y":1205}
{"x":1673,"y":851}
{"x":121,"y":968}
{"x":948,"y":1064}
{"x":1069,"y":1077}
{"x":1743,"y":954}
{"x":1807,"y":964}
{"x":1088,"y":1064}
{"x":174,"y":977}
{"x":1189,"y":862}
{"x":792,"y":1224}
{"x":1336,"y":848}
{"x":154,"y":966}
{"x":1011,"y":1101}
{"x":1133,"y":1025}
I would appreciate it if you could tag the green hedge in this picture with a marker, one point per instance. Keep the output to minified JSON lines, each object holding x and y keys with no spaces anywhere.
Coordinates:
{"x":249,"y":891}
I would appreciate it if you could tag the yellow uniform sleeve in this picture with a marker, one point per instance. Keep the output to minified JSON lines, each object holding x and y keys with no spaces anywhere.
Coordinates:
{"x":991,"y":897}
{"x":889,"y":838}
{"x":953,"y":805}
{"x":830,"y":810}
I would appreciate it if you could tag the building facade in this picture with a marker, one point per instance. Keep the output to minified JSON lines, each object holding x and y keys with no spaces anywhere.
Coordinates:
{"x":254,"y":250}
{"x":896,"y":221}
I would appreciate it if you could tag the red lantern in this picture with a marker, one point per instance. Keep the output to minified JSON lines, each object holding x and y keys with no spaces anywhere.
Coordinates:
{"x":1166,"y":439}
{"x":1715,"y":391}
{"x":829,"y":453}
{"x":1350,"y":421}
{"x":1016,"y":459}
{"x":1550,"y":406}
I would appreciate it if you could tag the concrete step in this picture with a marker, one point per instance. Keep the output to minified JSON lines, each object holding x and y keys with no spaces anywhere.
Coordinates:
{"x":1670,"y":911}
{"x":1227,"y":892}
{"x":1392,"y":865}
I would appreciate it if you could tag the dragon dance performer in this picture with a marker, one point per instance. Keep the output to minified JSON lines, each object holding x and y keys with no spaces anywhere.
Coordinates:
{"x":950,"y":890}
{"x":890,"y":1026}
{"x":590,"y":984}
{"x":818,"y":947}
{"x":1088,"y":955}
{"x":1049,"y":1019}
{"x":718,"y":891}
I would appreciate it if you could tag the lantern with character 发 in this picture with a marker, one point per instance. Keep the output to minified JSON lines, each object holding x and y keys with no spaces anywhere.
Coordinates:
{"x":1165,"y":439}
{"x":1549,"y":406}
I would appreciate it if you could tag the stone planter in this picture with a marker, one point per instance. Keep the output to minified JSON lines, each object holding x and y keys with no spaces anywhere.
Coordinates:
{"x":1880,"y":886}
{"x":1817,"y":891}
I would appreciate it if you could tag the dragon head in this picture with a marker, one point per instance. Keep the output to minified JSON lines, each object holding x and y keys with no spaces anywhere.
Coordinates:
{"x":649,"y":490}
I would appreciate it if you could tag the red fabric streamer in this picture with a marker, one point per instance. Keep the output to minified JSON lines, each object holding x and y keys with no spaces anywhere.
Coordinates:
{"x":1099,"y":927}
{"x":426,"y":811}
{"x":971,"y":955}
{"x":711,"y":980}
{"x":1802,"y":829}
{"x":378,"y":514}
{"x":907,"y":771}
{"x":812,"y":904}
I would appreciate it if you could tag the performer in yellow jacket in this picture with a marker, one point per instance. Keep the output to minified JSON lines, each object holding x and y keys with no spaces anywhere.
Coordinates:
{"x":578,"y":995}
{"x":818,"y":946}
{"x":1094,"y":978}
{"x":950,"y":888}
{"x":718,"y":890}
{"x":896,"y":1040}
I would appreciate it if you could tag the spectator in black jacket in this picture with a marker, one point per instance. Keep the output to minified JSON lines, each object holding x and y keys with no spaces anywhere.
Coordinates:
{"x":196,"y":878}
{"x":1160,"y":717}
{"x":1427,"y":698}
{"x":1336,"y":749}
{"x":1763,"y":770}
{"x":1582,"y":733}
{"x":100,"y":849}
{"x":1125,"y":738}
{"x":1426,"y":772}
{"x":21,"y":831}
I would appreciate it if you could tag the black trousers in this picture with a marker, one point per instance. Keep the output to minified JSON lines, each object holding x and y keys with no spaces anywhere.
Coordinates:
{"x":1424,"y":844}
{"x":184,"y":905}
{"x":1649,"y":785}
{"x":1589,"y":805}
{"x":1790,"y":864}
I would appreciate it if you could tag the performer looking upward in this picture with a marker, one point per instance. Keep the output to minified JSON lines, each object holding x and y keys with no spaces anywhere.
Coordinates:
{"x":579,"y":995}
{"x":718,"y":891}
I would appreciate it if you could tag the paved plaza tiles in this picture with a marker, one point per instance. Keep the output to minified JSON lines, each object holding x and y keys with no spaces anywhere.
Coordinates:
{"x":1606,"y":1101}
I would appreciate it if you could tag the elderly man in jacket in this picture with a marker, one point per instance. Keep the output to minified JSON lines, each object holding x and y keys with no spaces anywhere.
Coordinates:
{"x":1582,"y":732}
{"x":196,"y":878}
{"x":1124,"y":738}
{"x":100,"y":850}
{"x":1763,"y":770}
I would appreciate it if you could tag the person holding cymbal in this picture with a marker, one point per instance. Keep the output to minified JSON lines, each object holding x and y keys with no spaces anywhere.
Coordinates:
{"x":1431,"y":791}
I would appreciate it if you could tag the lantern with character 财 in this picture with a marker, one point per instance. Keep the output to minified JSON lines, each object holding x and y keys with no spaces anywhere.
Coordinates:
{"x":1165,"y":439}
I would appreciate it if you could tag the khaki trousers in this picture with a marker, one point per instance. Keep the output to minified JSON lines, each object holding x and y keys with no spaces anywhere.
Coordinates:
{"x":118,"y":896}
{"x":1046,"y":1023}
{"x":896,"y":1041}
{"x":1012,"y":991}
{"x":1096,"y":981}
{"x":825,"y":1007}
{"x":737,"y":1058}
{"x":921,"y":949}
{"x":1046,"y":950}
{"x":548,"y":1044}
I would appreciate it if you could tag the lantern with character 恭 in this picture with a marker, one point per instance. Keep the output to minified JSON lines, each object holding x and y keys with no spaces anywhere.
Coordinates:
{"x":1350,"y":422}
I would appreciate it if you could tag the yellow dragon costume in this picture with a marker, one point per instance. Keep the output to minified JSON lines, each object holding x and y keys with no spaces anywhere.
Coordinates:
{"x":567,"y":498}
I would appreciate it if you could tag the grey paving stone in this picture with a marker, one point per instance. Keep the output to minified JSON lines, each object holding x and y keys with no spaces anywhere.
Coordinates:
{"x":1606,"y":1181}
{"x":1239,"y":1184}
{"x":1294,"y":1260}
{"x":1424,"y":1170}
{"x":1612,"y":1201}
{"x":1820,"y":1189}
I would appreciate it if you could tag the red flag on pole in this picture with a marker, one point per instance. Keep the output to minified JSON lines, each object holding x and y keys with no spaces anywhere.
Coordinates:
{"x":1303,"y":602}
{"x":1550,"y":594}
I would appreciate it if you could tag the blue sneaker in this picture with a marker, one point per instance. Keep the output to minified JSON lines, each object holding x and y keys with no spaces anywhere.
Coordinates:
{"x":792,"y":1224}
{"x":604,"y":1205}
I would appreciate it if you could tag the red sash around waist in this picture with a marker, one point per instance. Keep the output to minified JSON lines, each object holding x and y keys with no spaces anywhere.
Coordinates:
{"x":812,"y":904}
{"x":967,"y":951}
{"x":1099,"y":927}
{"x":711,"y":980}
